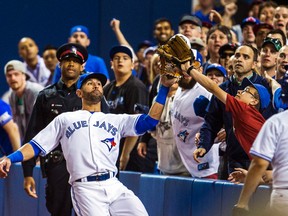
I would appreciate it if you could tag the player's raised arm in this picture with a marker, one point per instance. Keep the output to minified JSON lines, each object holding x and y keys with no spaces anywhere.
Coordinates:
{"x":26,"y":152}
{"x":157,"y":107}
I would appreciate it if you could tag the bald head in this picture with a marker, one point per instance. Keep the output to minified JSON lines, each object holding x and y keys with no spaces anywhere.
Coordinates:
{"x":28,"y":49}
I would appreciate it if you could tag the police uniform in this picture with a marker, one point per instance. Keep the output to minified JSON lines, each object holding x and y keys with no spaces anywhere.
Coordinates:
{"x":52,"y":101}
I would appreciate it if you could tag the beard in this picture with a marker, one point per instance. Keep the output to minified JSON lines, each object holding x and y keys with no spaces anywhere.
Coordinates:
{"x":185,"y":84}
{"x":93,"y":97}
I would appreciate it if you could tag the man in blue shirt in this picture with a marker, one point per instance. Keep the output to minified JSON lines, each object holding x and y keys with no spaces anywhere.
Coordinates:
{"x":80,"y":34}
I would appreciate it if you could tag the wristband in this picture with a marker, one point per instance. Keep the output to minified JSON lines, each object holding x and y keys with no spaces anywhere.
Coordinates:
{"x":162,"y":94}
{"x":15,"y":157}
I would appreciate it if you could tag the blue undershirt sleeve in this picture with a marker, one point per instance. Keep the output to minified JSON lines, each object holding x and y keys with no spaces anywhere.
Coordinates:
{"x":145,"y":123}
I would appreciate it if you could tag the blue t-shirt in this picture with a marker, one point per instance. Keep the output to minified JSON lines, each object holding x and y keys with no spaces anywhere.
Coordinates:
{"x":5,"y":117}
{"x":93,"y":64}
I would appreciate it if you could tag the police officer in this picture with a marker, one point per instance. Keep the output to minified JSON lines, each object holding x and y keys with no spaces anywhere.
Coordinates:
{"x":52,"y":101}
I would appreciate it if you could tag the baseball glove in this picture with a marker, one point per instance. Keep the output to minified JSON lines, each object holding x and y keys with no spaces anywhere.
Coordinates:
{"x":174,"y":53}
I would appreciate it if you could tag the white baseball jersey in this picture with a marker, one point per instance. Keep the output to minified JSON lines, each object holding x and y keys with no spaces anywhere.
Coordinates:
{"x":185,"y":126}
{"x":90,"y":141}
{"x":271,"y":144}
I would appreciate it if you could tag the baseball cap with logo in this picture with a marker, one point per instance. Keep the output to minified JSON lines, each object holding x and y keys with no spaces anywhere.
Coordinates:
{"x":15,"y":65}
{"x":83,"y":78}
{"x":263,"y":93}
{"x":122,"y":49}
{"x":218,"y":67}
{"x":249,"y":21}
{"x":190,"y":19}
{"x":69,"y":50}
{"x":276,"y":43}
{"x":79,"y":28}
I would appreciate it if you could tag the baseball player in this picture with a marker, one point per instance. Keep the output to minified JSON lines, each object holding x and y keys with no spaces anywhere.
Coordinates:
{"x":90,"y":143}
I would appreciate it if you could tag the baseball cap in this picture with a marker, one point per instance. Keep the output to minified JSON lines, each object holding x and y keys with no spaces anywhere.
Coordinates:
{"x":72,"y":50}
{"x":261,"y":25}
{"x":16,"y":65}
{"x":263,"y":93}
{"x":122,"y":49}
{"x":190,"y":19}
{"x":101,"y":77}
{"x":197,"y":41}
{"x":277,"y":43}
{"x":79,"y":28}
{"x":229,"y":46}
{"x":149,"y":50}
{"x":216,"y":67}
{"x":145,"y":43}
{"x":249,"y":21}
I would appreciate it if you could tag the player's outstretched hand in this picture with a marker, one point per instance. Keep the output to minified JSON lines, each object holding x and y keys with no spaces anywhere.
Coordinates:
{"x":29,"y":186}
{"x":238,"y":176}
{"x":4,"y":167}
{"x":200,"y":152}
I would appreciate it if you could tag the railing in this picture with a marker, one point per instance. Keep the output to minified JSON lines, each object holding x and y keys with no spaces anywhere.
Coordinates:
{"x":161,"y":195}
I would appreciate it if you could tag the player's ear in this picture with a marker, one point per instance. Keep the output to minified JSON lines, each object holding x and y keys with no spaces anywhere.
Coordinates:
{"x":79,"y":93}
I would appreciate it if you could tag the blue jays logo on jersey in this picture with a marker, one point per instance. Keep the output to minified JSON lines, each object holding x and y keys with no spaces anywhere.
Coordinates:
{"x":109,"y":142}
{"x":183,"y":135}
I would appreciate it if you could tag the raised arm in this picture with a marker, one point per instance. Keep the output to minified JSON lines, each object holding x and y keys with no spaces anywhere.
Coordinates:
{"x":148,"y":122}
{"x":206,"y":82}
{"x":115,"y":25}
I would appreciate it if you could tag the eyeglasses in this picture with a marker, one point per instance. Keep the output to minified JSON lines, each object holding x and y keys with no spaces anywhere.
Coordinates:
{"x":246,"y":90}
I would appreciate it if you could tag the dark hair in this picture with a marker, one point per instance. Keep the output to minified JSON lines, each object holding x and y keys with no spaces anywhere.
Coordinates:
{"x":49,"y":47}
{"x":267,"y":4}
{"x":279,"y":31}
{"x":255,"y":51}
{"x":221,"y":28}
{"x":160,"y":20}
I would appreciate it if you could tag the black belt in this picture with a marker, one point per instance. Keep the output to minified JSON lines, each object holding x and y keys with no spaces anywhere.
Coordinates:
{"x":97,"y":177}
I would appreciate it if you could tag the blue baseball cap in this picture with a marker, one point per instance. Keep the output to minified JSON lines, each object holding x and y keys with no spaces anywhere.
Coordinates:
{"x":216,"y":67}
{"x":249,"y":21}
{"x":79,"y":28}
{"x":101,"y":77}
{"x":122,"y":49}
{"x":263,"y":93}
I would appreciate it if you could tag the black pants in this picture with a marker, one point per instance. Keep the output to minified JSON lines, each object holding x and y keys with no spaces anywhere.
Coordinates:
{"x":58,"y":196}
